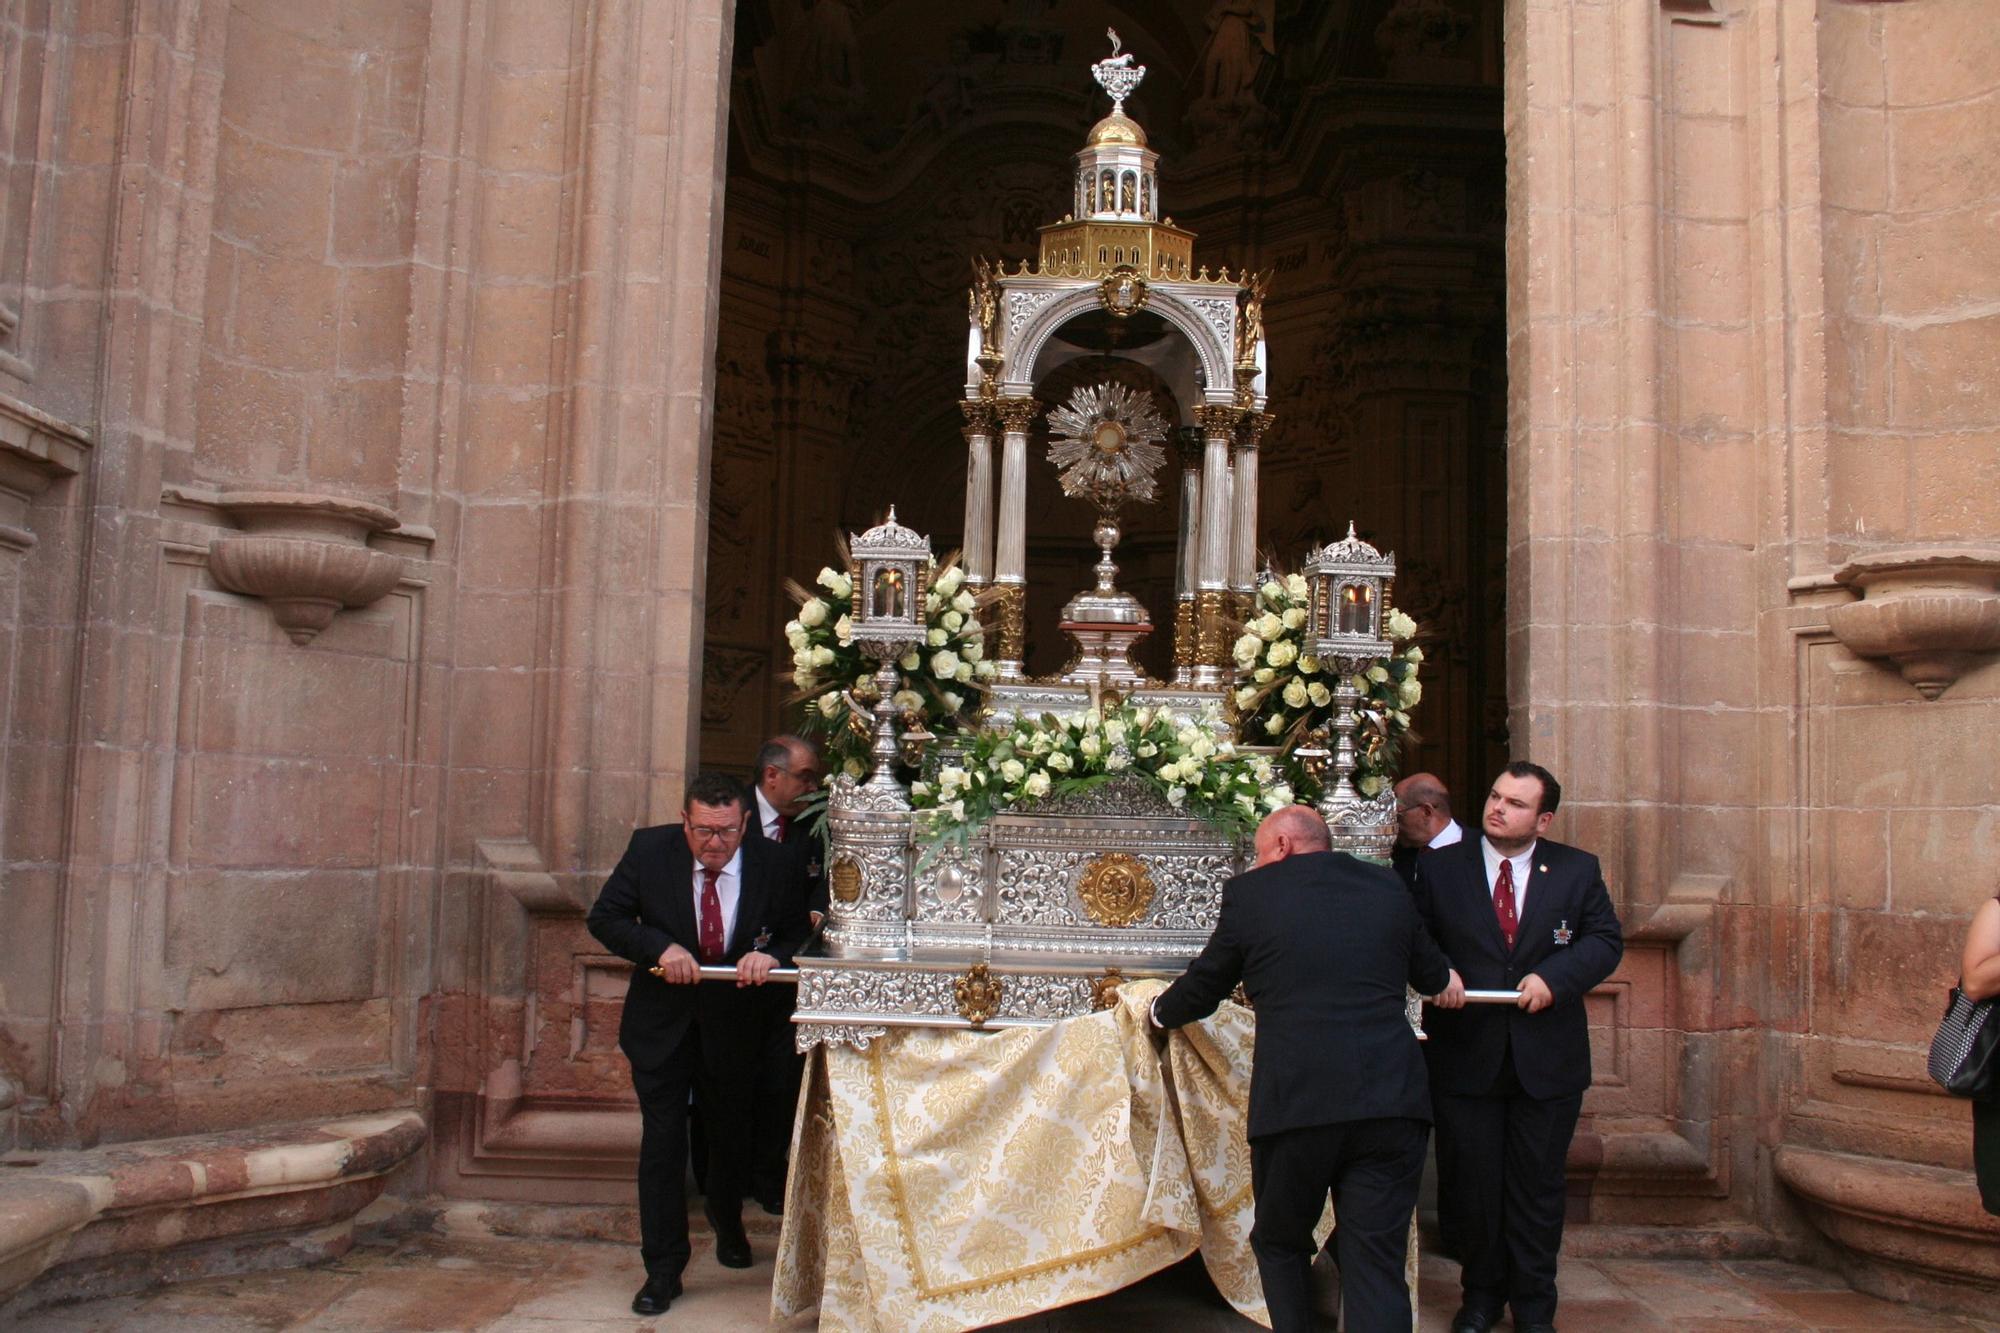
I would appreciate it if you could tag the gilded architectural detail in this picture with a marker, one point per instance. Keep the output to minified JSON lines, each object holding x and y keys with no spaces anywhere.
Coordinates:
{"x":1116,"y":889}
{"x":978,"y":994}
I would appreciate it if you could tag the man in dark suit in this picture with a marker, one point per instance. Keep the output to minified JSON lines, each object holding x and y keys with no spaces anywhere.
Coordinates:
{"x":1324,"y":945}
{"x":684,"y":895}
{"x":788,"y":771}
{"x":1514,"y":911}
{"x":1423,"y":822}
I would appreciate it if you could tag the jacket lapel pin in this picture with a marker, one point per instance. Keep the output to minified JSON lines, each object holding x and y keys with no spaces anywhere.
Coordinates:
{"x":764,"y":938}
{"x":1543,"y":868}
{"x":1563,"y":933}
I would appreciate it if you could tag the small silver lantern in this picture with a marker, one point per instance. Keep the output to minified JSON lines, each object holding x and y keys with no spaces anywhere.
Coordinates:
{"x":1348,"y":585}
{"x":890,"y":568}
{"x":1348,"y":582}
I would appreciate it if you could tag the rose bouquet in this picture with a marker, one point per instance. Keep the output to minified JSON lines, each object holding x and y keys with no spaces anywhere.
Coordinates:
{"x":937,"y":682}
{"x":1061,"y":756}
{"x":1284,"y":693}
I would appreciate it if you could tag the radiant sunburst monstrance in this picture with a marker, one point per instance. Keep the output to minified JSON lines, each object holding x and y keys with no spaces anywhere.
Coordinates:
{"x":1105,"y":441}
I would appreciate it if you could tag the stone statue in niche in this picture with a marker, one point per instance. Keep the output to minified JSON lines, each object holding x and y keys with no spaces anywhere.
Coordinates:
{"x":819,"y":60}
{"x":1239,"y":39}
{"x":1225,"y":111}
{"x":1415,"y":37}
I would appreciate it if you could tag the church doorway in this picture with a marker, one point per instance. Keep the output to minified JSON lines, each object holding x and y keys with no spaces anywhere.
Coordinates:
{"x":1352,"y":150}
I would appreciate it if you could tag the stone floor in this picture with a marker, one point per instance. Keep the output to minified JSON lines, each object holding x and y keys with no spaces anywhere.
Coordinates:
{"x":389,"y":1283}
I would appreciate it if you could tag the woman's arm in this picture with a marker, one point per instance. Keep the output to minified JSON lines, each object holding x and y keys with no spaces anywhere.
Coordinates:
{"x":1979,"y":970}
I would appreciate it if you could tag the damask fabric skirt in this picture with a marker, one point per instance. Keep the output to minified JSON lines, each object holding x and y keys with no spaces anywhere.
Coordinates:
{"x":947,"y":1180}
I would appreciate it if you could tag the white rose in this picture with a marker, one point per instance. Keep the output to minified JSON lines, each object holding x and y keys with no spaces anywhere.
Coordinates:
{"x":1378,"y":674}
{"x":1089,"y":746}
{"x":933,"y":603}
{"x":985,"y":670}
{"x":953,"y":702}
{"x":1413,"y":654}
{"x":964,"y":672}
{"x":1320,"y":695}
{"x":1264,"y":675}
{"x":944,"y":664}
{"x":1295,"y":584}
{"x":828,"y":577}
{"x":972,"y":651}
{"x":802,"y":657}
{"x":1295,"y":618}
{"x":1061,"y":762}
{"x":822,"y":655}
{"x":1295,"y":694}
{"x":1272,"y":591}
{"x":1308,"y":664}
{"x":1267,"y":627}
{"x":1114,"y":733}
{"x":906,"y":700}
{"x":853,"y":768}
{"x":909,"y":661}
{"x":1203,"y":746}
{"x":1282,"y":654}
{"x":951,"y":775}
{"x":1401,"y":626}
{"x":1117,"y":761}
{"x":1176,"y":795}
{"x":1246,"y":803}
{"x":957,"y":809}
{"x":949,"y":581}
{"x":843,"y":631}
{"x":813,"y":613}
{"x":1245,"y":696}
{"x":938,"y":638}
{"x":1369,"y":785}
{"x":1274,"y":724}
{"x":829,"y":704}
{"x":1248,"y":649}
{"x":1409,"y":693}
{"x":953,"y":621}
{"x":1280,"y":795}
{"x":1147,"y":749}
{"x":919,"y":790}
{"x":802,"y":677}
{"x":1013,"y":770}
{"x":1037,"y":784}
{"x":962,"y":603}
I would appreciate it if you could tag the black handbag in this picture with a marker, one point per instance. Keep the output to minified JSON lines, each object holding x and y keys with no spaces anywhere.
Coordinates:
{"x":1965,"y":1052}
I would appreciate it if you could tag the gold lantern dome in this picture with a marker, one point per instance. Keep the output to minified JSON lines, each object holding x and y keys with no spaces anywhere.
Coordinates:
{"x":1119,"y":129}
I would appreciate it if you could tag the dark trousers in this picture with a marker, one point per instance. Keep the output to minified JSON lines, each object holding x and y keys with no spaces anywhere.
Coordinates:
{"x":725,"y":1094}
{"x":1373,"y":1169}
{"x":780,"y":1070}
{"x":1986,"y":1153}
{"x":1501,"y":1187}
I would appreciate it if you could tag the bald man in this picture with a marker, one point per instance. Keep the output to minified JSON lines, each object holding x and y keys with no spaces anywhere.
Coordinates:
{"x":1339,"y":1097}
{"x":1423,"y":822}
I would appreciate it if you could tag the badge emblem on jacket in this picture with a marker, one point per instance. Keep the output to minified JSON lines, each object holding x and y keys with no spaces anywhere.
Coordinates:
{"x":764,"y":938}
{"x":813,"y":869}
{"x":1563,"y":933}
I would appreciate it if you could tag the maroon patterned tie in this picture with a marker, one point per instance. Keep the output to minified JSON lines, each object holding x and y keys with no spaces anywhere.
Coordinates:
{"x":711,"y":916}
{"x":784,"y":827}
{"x":1503,"y":903}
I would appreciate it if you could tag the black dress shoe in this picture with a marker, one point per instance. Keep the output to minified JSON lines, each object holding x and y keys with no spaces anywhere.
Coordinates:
{"x":656,"y":1295}
{"x":732,"y":1247}
{"x":774,"y":1204}
{"x":1471,"y":1320}
{"x":1543,"y":1327}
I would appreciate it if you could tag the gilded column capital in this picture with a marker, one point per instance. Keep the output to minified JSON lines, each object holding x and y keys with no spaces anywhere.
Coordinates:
{"x":1250,"y":431}
{"x":1217,"y":418}
{"x":978,"y":416}
{"x":1016,"y":414}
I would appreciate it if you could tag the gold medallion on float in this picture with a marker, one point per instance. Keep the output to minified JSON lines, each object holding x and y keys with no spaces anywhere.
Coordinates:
{"x":1116,"y":889}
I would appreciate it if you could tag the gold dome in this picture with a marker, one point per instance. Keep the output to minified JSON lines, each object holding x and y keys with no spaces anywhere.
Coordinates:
{"x":1116,"y":128}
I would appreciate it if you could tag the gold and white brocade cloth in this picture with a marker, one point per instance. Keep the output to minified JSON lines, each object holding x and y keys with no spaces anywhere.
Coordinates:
{"x":948,"y":1180}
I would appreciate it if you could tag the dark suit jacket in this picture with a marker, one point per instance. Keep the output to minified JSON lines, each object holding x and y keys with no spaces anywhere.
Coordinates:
{"x":648,"y":904}
{"x":801,"y":840}
{"x":1566,"y":900}
{"x":1324,"y":944}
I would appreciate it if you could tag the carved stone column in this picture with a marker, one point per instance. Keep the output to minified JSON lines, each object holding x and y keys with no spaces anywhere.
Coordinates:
{"x":1187,"y":554}
{"x":978,"y":491}
{"x":1218,"y":424}
{"x":1010,"y":562}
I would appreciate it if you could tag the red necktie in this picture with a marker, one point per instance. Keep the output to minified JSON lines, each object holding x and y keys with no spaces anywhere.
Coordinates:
{"x":784,"y":827}
{"x":1503,"y":903}
{"x":711,"y":917}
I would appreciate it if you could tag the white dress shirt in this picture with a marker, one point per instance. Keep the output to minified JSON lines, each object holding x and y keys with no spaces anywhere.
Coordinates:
{"x":728,"y":887}
{"x":1524,"y":862}
{"x":767,"y":815}
{"x":1452,"y":832}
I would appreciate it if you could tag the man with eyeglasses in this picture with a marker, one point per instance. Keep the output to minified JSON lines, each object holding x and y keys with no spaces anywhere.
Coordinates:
{"x":788,"y":772}
{"x":1423,"y":822}
{"x":683,"y":896}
